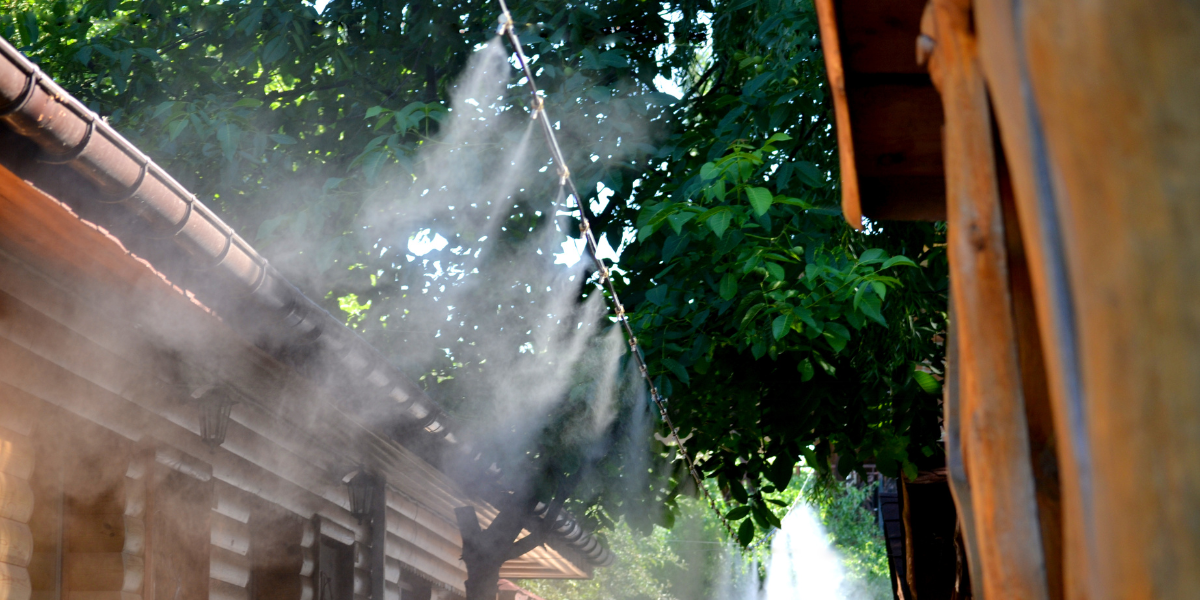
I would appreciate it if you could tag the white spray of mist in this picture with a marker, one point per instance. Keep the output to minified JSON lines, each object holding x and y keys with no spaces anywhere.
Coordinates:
{"x":494,"y":299}
{"x":803,"y":565}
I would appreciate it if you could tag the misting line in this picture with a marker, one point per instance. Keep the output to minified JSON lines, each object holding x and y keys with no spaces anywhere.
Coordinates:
{"x":538,"y":109}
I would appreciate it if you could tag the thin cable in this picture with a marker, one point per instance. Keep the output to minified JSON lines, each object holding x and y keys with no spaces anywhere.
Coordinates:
{"x":538,"y":108}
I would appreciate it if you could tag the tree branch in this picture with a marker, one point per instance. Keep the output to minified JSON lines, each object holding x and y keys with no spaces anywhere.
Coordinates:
{"x":541,"y":530}
{"x":525,"y":544}
{"x":468,"y":522}
{"x":183,"y":40}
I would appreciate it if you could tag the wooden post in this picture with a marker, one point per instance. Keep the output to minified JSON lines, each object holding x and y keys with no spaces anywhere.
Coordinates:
{"x":16,"y":508}
{"x":1020,"y":123}
{"x":956,"y":471}
{"x":851,"y":204}
{"x":994,"y":430}
{"x":179,"y":501}
{"x":378,"y":561}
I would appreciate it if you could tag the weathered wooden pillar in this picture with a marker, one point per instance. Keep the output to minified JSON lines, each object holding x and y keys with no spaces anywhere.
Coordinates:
{"x":103,"y":548}
{"x":230,"y":564}
{"x":179,"y":509}
{"x":281,"y":571}
{"x":994,"y":430}
{"x":16,"y":502}
{"x":377,"y":563}
{"x":956,"y":470}
{"x":1020,"y":124}
{"x":1116,"y":89}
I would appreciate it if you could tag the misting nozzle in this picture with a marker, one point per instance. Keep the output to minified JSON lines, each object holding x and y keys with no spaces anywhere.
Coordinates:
{"x":506,"y":23}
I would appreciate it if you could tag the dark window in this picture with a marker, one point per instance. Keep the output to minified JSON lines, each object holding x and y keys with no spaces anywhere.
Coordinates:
{"x":335,"y":570}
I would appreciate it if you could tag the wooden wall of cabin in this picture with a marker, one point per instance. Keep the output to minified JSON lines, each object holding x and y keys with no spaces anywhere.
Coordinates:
{"x":1109,"y":141}
{"x":1087,"y":213}
{"x":79,"y":381}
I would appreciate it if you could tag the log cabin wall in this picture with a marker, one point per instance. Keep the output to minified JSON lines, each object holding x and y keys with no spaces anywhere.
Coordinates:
{"x":130,"y":503}
{"x":16,"y":500}
{"x":122,"y":514}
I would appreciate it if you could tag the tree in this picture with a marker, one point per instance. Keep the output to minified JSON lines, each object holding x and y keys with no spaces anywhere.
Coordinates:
{"x":776,"y":330}
{"x":302,"y":128}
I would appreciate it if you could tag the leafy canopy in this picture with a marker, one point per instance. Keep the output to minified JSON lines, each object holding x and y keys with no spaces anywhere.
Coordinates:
{"x":776,"y":330}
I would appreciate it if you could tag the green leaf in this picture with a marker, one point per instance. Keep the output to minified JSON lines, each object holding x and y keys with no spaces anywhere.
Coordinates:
{"x":374,"y":111}
{"x":229,"y":135}
{"x":658,"y":294}
{"x":150,"y":53}
{"x":880,"y":289}
{"x":873,"y":255}
{"x":737,"y":513}
{"x":810,"y":174}
{"x":858,"y":295}
{"x":729,"y":287}
{"x":778,"y":137}
{"x":805,"y":316}
{"x":677,"y":369}
{"x":708,"y":171}
{"x":162,"y":108}
{"x":902,"y":261}
{"x":837,"y":335}
{"x":248,"y":103}
{"x":871,"y":307}
{"x":781,"y":471}
{"x":745,"y":533}
{"x":678,"y":219}
{"x":794,"y":202}
{"x":775,"y":270}
{"x":176,"y":127}
{"x":767,"y":517}
{"x":274,"y":50}
{"x":720,"y":222}
{"x":760,"y":199}
{"x":781,"y":325}
{"x":738,"y":492}
{"x":84,"y":55}
{"x":674,"y":246}
{"x":806,"y":370}
{"x":372,"y":164}
{"x":926,"y":381}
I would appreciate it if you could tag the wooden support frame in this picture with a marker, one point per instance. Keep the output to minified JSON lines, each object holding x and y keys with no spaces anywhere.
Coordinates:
{"x":994,"y":429}
{"x":851,"y":206}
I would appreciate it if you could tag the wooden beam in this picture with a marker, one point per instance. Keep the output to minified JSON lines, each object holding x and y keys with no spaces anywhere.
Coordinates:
{"x":851,"y":208}
{"x":1043,"y":443}
{"x":1019,"y":123}
{"x":995,"y":435}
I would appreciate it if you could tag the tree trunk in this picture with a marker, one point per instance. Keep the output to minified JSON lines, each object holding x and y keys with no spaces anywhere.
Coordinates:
{"x":486,"y":550}
{"x":483,"y":581}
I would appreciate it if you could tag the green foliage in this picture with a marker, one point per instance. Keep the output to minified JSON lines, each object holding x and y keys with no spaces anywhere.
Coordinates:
{"x":775,"y":329}
{"x":694,"y":560}
{"x":647,"y":566}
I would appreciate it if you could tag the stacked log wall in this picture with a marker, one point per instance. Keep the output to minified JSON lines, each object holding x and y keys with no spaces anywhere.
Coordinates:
{"x":16,"y":501}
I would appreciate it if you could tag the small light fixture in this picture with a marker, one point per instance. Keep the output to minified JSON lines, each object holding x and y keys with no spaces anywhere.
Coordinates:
{"x":362,"y":493}
{"x":215,"y":407}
